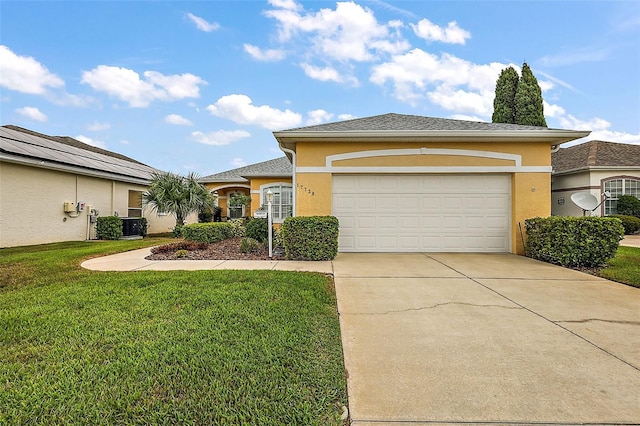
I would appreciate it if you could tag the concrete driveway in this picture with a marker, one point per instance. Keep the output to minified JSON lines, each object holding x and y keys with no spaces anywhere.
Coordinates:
{"x":482,"y":338}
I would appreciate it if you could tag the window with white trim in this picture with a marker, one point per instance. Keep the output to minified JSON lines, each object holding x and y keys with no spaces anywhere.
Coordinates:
{"x":282,"y":204}
{"x":618,"y":187}
{"x":235,"y":212}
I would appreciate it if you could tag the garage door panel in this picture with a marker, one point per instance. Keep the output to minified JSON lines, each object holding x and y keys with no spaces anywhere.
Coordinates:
{"x":423,"y":212}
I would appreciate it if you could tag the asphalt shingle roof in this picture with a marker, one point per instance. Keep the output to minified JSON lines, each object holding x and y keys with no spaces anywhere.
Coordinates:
{"x":595,"y":154}
{"x":65,"y":152}
{"x":394,"y":121}
{"x":276,"y":167}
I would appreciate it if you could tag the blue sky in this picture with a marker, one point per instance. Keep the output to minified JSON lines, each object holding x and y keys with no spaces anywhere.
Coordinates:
{"x":200,"y":86}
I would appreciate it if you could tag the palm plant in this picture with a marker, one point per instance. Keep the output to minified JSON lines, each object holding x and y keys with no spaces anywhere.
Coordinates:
{"x":178,"y":195}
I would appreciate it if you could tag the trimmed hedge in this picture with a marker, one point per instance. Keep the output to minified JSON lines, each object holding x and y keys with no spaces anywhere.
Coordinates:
{"x":573,"y":241}
{"x":210,"y":232}
{"x":628,"y":205}
{"x":631,"y":224}
{"x":310,"y":237}
{"x":108,"y":228}
{"x":257,"y":229}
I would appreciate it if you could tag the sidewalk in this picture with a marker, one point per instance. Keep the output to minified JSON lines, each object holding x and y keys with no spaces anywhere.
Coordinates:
{"x":135,"y":261}
{"x":631,"y":241}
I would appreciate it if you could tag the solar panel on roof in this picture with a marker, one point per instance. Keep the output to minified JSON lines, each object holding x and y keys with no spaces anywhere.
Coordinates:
{"x":24,"y":144}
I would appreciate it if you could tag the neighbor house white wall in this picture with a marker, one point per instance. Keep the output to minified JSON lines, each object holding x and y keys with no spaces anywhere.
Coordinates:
{"x":32,"y":200}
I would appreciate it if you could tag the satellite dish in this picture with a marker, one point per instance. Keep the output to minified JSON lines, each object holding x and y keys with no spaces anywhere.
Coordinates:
{"x":585,"y":200}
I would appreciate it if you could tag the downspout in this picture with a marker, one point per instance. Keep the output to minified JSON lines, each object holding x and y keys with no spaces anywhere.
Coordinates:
{"x":555,"y":148}
{"x":293,"y":183}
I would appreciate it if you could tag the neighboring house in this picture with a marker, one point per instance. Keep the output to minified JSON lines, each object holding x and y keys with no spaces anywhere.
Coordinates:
{"x":255,"y":180}
{"x":404,"y":183}
{"x":595,"y":167}
{"x":40,"y":176}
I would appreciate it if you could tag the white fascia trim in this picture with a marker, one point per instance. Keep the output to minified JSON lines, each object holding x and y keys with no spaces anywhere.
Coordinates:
{"x":421,"y":169}
{"x":231,"y":185}
{"x":517,"y":159}
{"x":44,"y":164}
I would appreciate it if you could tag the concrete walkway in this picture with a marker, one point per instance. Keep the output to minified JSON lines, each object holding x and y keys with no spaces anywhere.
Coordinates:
{"x":631,"y":241}
{"x":485,"y":339}
{"x":135,"y":261}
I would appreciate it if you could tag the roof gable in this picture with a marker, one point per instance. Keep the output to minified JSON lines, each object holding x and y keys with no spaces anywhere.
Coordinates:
{"x":278,"y":167}
{"x":595,"y":154}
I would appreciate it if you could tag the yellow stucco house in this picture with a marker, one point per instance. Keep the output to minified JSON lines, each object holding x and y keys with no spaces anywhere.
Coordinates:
{"x":405,"y":183}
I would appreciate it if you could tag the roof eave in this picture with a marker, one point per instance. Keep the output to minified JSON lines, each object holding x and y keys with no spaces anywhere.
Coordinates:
{"x":552,"y":136}
{"x":51,"y":165}
{"x":595,"y":168}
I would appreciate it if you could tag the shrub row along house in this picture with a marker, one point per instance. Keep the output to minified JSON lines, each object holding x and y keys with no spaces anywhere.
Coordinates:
{"x":52,"y":188}
{"x":396,"y":183}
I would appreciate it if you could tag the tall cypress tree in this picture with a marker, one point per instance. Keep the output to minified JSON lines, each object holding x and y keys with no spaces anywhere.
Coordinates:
{"x":504,"y":104}
{"x":528,"y":100}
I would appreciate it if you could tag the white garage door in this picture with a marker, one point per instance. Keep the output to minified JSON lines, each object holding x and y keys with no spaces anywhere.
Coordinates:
{"x":413,"y":213}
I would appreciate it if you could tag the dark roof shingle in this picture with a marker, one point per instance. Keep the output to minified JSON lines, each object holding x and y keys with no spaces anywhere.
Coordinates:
{"x":394,"y":121}
{"x":276,"y":167}
{"x":595,"y":154}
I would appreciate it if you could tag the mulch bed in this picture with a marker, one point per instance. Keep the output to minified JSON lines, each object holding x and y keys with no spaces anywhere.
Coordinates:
{"x":223,"y":250}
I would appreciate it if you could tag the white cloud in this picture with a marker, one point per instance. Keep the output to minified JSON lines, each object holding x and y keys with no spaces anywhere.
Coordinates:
{"x":220,"y":137}
{"x":348,"y":33}
{"x":32,"y":113}
{"x":178,"y":120}
{"x":431,"y":32}
{"x":92,"y":142}
{"x":578,"y":56}
{"x":126,"y":85}
{"x":328,"y":74}
{"x":448,"y":81}
{"x":239,"y":109}
{"x":202,"y":24}
{"x":267,"y":55}
{"x":96,"y":126}
{"x":318,"y":116}
{"x":346,"y":117}
{"x":238,"y":162}
{"x":599,"y":127}
{"x":285,"y":4}
{"x":25,"y":74}
{"x":465,"y":117}
{"x":552,"y":110}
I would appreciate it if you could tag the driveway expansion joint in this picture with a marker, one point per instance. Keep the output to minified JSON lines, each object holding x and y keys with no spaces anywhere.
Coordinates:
{"x":437,"y":305}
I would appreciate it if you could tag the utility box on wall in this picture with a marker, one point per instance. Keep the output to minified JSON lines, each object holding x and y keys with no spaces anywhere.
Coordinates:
{"x":69,"y":207}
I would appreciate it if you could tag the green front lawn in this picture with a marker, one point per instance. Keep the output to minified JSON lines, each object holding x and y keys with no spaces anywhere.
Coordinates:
{"x":625,"y":267}
{"x":203,"y":347}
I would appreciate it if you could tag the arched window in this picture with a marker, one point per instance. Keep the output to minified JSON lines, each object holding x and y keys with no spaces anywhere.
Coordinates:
{"x":617,"y":187}
{"x":282,"y":205}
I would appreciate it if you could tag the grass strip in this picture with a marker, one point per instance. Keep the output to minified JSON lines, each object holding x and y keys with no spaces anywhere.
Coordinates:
{"x":202,"y":347}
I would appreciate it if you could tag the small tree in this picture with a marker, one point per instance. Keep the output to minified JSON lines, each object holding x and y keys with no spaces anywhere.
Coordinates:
{"x":518,"y":100}
{"x":178,"y":195}
{"x":528,"y":100}
{"x":504,"y":104}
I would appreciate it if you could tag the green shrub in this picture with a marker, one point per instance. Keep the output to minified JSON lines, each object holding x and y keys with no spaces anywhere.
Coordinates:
{"x":177,"y":231}
{"x":631,"y":224}
{"x":249,"y":245}
{"x":310,"y":237}
{"x":108,"y":228}
{"x":238,"y":229}
{"x":210,"y":232}
{"x":179,"y":245}
{"x":573,"y":241}
{"x":182,"y":253}
{"x":144,"y":227}
{"x":628,"y":205}
{"x":258,"y":229}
